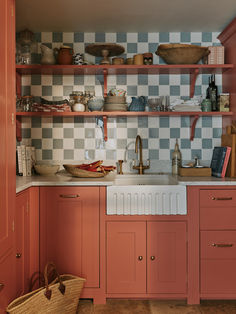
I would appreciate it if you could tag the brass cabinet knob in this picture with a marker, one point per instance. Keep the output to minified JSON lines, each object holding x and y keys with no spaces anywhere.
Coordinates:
{"x":18,"y":255}
{"x":140,"y":258}
{"x":1,"y":286}
{"x":152,"y":258}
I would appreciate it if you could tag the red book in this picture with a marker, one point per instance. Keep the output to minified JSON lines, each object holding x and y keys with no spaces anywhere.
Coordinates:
{"x":226,"y":161}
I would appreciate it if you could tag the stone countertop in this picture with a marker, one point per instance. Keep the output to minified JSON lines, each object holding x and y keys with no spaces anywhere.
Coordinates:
{"x":63,"y":179}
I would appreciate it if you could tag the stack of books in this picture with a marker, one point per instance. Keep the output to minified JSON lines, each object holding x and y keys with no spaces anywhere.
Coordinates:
{"x":220,"y":160}
{"x":25,"y":159}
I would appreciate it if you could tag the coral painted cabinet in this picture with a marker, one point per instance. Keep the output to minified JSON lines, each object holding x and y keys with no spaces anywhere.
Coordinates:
{"x":166,"y":257}
{"x":22,"y":242}
{"x":146,"y":257}
{"x":7,"y":151}
{"x":126,"y":257}
{"x":218,"y":242}
{"x":69,"y":231}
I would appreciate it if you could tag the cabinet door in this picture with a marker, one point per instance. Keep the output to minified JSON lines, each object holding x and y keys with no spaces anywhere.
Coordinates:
{"x":126,"y":257}
{"x":21,"y":243}
{"x":166,"y":257}
{"x":7,"y":151}
{"x":69,"y":231}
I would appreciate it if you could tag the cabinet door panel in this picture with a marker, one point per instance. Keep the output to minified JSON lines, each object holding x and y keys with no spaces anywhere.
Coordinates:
{"x":69,"y":231}
{"x":21,"y":249}
{"x":166,"y":257}
{"x":126,"y":257}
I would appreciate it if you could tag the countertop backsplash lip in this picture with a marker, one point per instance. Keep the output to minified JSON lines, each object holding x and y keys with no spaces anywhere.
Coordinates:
{"x":23,"y":183}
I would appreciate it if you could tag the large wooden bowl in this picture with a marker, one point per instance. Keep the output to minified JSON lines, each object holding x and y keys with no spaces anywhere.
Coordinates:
{"x":181,"y":53}
{"x":76,"y":172}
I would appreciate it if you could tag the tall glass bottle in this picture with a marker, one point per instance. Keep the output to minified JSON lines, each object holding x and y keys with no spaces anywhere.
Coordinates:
{"x":213,"y":94}
{"x":176,"y":159}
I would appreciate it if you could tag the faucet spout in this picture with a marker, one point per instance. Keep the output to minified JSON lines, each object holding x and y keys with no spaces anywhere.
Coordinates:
{"x":139,"y":141}
{"x":139,"y":145}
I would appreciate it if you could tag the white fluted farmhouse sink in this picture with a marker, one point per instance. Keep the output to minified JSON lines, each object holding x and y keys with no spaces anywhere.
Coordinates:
{"x":149,"y":194}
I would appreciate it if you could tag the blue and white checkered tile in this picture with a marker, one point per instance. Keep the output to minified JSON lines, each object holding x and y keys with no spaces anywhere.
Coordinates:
{"x":70,"y":139}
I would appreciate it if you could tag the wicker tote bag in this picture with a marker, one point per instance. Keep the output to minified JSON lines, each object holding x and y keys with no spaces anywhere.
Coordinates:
{"x":59,"y":297}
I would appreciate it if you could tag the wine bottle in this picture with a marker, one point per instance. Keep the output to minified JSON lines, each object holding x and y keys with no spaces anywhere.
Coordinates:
{"x":176,"y":159}
{"x":208,"y":91}
{"x":213,"y":94}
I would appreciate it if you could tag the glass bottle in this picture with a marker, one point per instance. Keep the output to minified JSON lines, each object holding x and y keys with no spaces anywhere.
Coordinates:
{"x":176,"y":159}
{"x":214,"y":94}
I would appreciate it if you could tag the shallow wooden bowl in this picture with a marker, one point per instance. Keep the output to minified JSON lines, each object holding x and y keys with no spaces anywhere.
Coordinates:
{"x":76,"y":172}
{"x":182,"y":53}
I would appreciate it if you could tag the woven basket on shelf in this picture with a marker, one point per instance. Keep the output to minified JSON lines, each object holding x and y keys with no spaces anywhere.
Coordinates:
{"x":182,"y":53}
{"x":76,"y":172}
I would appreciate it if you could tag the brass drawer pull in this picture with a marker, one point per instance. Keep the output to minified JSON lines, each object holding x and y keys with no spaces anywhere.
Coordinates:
{"x":69,"y":195}
{"x":18,"y":255}
{"x":1,"y":286}
{"x":152,"y":258}
{"x":140,"y":258}
{"x":222,"y":244}
{"x":221,"y":198}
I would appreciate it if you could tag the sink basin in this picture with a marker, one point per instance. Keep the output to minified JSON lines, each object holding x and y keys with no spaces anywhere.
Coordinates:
{"x":145,"y":179}
{"x":149,"y":194}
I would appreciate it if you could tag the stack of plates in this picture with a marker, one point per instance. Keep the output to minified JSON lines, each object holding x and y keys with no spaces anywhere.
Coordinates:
{"x":115,"y":103}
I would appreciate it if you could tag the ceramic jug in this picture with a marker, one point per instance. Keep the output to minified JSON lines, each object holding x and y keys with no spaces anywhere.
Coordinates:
{"x":47,"y":55}
{"x":137,"y":103}
{"x":65,"y":55}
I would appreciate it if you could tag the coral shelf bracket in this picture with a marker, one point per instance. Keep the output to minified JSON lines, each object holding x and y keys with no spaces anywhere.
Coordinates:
{"x":105,"y":73}
{"x":193,"y":120}
{"x":18,"y":129}
{"x":193,"y":77}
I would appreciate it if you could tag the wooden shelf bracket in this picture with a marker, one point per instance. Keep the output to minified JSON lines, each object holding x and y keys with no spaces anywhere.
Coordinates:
{"x":193,"y":78}
{"x":193,"y":120}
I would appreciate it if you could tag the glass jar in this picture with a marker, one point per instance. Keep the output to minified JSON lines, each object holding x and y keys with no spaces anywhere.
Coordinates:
{"x":206,"y":105}
{"x":26,"y":103}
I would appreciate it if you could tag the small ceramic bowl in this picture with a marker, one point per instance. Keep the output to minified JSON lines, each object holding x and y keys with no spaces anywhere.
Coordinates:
{"x":96,"y":104}
{"x":46,"y":170}
{"x":117,"y":92}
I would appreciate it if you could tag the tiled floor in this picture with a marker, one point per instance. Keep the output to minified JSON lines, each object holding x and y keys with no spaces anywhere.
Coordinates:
{"x":157,"y":307}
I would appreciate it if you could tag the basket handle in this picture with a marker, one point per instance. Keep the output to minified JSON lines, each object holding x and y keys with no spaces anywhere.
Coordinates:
{"x":48,"y":292}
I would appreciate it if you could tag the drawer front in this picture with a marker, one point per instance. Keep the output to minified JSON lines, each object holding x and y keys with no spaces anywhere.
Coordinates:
{"x":218,"y":245}
{"x":217,"y":218}
{"x":218,"y":276}
{"x":217,"y":198}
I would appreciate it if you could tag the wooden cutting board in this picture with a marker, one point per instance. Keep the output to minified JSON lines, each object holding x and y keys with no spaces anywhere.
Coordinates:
{"x":195,"y":172}
{"x":230,"y":140}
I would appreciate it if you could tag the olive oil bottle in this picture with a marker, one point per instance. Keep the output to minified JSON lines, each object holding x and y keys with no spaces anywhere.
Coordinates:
{"x":176,"y":159}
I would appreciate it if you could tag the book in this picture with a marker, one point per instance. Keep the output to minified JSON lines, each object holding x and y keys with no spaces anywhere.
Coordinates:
{"x":28,"y":161}
{"x":217,"y":160}
{"x":226,"y":161}
{"x":23,"y":157}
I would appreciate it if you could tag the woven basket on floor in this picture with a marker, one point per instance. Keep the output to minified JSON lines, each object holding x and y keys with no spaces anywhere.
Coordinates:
{"x":76,"y":172}
{"x":60,"y":297}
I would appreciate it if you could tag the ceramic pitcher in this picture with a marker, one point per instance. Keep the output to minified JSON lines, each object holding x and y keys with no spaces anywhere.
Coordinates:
{"x":47,"y":55}
{"x":137,"y":103}
{"x":65,"y":55}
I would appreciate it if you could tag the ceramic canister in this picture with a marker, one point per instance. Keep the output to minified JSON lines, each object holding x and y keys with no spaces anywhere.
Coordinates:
{"x":138,"y":59}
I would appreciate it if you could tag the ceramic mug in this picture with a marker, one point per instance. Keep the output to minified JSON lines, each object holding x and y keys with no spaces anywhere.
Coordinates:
{"x":138,"y":59}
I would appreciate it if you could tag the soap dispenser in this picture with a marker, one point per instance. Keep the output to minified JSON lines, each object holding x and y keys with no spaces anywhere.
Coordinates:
{"x":176,"y":159}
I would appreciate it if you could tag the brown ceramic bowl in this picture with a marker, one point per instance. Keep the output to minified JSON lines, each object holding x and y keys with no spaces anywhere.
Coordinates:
{"x":181,"y":53}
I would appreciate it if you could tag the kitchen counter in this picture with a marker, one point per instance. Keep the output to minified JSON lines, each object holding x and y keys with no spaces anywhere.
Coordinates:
{"x":63,"y":179}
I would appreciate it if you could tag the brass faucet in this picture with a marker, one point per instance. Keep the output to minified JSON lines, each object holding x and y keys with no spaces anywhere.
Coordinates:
{"x":140,"y":167}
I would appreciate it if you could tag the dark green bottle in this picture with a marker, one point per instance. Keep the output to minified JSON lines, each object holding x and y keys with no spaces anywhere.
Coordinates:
{"x":213,"y":94}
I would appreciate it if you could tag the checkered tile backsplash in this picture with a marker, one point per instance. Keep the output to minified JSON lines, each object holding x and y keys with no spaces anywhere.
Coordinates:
{"x":67,"y":139}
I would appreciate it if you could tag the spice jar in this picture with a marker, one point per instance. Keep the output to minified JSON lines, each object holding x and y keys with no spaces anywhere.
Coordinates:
{"x":206,"y":105}
{"x":26,"y":103}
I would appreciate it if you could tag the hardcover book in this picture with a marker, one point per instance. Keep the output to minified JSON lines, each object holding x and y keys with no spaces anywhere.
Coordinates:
{"x":217,"y":161}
